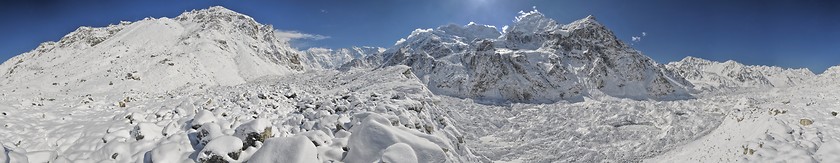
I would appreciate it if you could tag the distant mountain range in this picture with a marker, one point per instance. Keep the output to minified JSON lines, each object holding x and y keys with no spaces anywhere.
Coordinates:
{"x":535,"y":60}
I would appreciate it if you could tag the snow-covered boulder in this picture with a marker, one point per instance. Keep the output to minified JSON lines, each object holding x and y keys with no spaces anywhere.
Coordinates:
{"x":170,"y":152}
{"x":201,"y":117}
{"x":221,"y":149}
{"x":254,"y":131}
{"x":399,"y":152}
{"x":115,"y":151}
{"x":296,"y":149}
{"x":170,"y":128}
{"x":374,"y":135}
{"x":117,"y":135}
{"x":208,"y":132}
{"x":146,"y":131}
{"x":318,"y":137}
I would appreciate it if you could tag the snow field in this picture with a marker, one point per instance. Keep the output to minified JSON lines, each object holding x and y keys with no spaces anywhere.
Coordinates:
{"x":331,"y":117}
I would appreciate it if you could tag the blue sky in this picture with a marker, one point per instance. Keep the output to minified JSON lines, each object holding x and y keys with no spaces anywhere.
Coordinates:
{"x":785,"y":33}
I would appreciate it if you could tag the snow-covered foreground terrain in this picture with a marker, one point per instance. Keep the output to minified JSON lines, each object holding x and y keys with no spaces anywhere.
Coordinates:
{"x":115,"y":94}
{"x":331,"y":116}
{"x":758,"y":126}
{"x":794,"y":124}
{"x":364,"y":116}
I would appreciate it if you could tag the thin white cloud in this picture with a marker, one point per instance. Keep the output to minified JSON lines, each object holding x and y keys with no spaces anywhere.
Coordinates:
{"x":638,"y":38}
{"x":295,"y":35}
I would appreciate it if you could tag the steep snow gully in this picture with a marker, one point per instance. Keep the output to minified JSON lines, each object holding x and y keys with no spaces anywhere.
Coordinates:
{"x":214,"y":85}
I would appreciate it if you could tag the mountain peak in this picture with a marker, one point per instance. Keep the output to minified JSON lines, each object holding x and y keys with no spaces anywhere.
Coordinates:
{"x":690,"y":59}
{"x":532,"y":22}
{"x":471,"y":31}
{"x":215,"y":12}
{"x":530,"y":15}
{"x":588,"y":21}
{"x":219,"y":9}
{"x":590,"y":17}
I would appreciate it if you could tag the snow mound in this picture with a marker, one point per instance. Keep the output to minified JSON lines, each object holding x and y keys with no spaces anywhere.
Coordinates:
{"x":256,"y":130}
{"x":223,"y":148}
{"x":399,"y":152}
{"x":375,"y":134}
{"x":296,"y":149}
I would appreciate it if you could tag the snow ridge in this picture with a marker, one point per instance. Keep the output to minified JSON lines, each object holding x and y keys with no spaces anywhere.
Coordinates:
{"x":323,"y":58}
{"x":200,"y":48}
{"x":711,"y":75}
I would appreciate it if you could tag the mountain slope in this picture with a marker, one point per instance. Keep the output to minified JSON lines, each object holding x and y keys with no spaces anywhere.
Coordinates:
{"x":710,"y":75}
{"x":323,"y":58}
{"x":214,"y":46}
{"x":534,"y":60}
{"x":831,"y":72}
{"x":211,"y":86}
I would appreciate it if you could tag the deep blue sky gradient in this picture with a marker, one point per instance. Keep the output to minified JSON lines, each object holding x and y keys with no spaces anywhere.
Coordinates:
{"x":785,"y":33}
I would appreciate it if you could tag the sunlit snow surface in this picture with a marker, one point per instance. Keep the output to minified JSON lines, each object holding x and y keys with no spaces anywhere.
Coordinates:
{"x":606,"y":130}
{"x":708,"y":129}
{"x":327,"y":107}
{"x":187,"y":90}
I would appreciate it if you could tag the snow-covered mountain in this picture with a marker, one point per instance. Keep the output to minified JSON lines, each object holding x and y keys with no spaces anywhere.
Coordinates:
{"x":197,"y":49}
{"x":215,"y":86}
{"x":534,"y":60}
{"x":212,"y":85}
{"x":711,"y":75}
{"x":323,"y":58}
{"x":832,"y":72}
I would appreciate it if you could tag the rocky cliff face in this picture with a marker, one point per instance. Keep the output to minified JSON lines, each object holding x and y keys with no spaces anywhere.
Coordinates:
{"x":534,"y":60}
{"x":214,"y":46}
